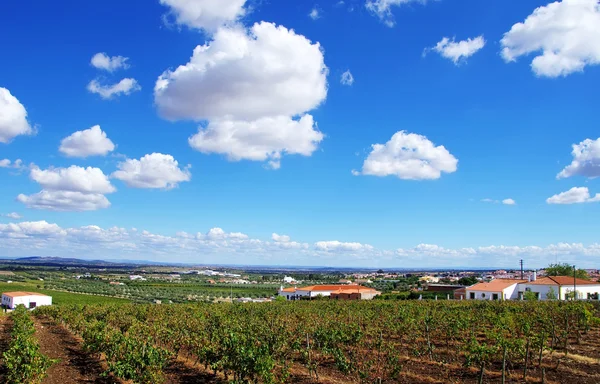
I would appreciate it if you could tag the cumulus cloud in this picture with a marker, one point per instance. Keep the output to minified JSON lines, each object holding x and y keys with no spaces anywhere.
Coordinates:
{"x":217,"y":245}
{"x":408,"y":156}
{"x":155,"y":170}
{"x":253,"y":89}
{"x":509,"y":202}
{"x":89,"y":142}
{"x":565,"y":36}
{"x":69,"y":189}
{"x":207,"y":15}
{"x":347,"y":78}
{"x":6,"y":163}
{"x":246,"y":75}
{"x":458,"y":51}
{"x":13,"y":117}
{"x":74,"y":179}
{"x":103,"y":61}
{"x":259,"y":140}
{"x":383,"y":9}
{"x":12,"y":215}
{"x":124,"y":87}
{"x":586,"y":160}
{"x":64,"y":201}
{"x":338,"y":246}
{"x":32,"y":229}
{"x":314,"y":14}
{"x":574,"y":195}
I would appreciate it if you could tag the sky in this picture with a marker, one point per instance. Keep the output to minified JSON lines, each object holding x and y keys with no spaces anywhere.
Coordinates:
{"x":355,"y":133}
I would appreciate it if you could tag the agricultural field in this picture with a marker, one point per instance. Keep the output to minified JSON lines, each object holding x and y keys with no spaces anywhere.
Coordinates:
{"x":329,"y":341}
{"x":59,"y":297}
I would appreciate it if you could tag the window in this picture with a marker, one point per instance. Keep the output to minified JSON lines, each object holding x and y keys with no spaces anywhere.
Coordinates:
{"x":472,"y":295}
{"x":495,"y":296}
{"x":483,"y":295}
{"x":32,"y":304}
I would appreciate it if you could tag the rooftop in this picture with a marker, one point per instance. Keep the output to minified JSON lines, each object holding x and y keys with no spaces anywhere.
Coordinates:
{"x":20,"y":293}
{"x":496,"y":285}
{"x":561,"y":280}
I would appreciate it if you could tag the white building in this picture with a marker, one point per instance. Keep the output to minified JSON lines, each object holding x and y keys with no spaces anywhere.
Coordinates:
{"x":288,"y":279}
{"x":340,"y":291}
{"x":498,"y":289}
{"x":561,"y":288}
{"x":30,"y":300}
{"x":551,"y":287}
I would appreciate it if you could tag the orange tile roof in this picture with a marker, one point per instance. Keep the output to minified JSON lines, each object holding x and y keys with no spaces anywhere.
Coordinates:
{"x":355,"y":290}
{"x":496,"y":285}
{"x":19,"y":294}
{"x":561,"y":280}
{"x":333,"y":288}
{"x":292,"y":289}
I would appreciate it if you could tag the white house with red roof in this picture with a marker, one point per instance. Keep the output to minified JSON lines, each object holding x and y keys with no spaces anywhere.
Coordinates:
{"x":545,"y":288}
{"x":561,"y":287}
{"x":338,"y":291}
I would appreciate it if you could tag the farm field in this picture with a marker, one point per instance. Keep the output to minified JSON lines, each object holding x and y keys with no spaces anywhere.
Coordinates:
{"x":331,"y":342}
{"x":59,"y":297}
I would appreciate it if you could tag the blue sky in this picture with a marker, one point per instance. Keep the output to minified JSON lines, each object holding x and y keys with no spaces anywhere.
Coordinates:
{"x":431,"y":152}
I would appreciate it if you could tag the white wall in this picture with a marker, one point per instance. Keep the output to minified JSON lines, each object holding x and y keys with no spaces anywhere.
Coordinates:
{"x":12,"y":302}
{"x":543,"y":290}
{"x":512,"y":292}
{"x":481,"y":295}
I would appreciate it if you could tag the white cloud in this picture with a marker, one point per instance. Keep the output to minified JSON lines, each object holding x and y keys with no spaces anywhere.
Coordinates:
{"x":253,"y":88}
{"x":408,"y":156}
{"x":89,"y":142}
{"x":217,"y":246}
{"x":347,"y":78}
{"x":69,"y":189}
{"x":314,"y":14}
{"x":103,"y":61}
{"x":586,"y":160}
{"x":509,"y":202}
{"x":245,"y":75}
{"x":5,"y":163}
{"x":32,"y":229}
{"x":565,"y":35}
{"x":383,"y":9}
{"x":124,"y":87}
{"x":74,"y":179}
{"x":280,"y":238}
{"x":458,"y":51}
{"x":155,"y":170}
{"x":13,"y":117}
{"x":64,"y":201}
{"x":487,"y":200}
{"x":206,"y":14}
{"x":260,"y":140}
{"x":338,"y":246}
{"x":574,"y":195}
{"x":12,"y":215}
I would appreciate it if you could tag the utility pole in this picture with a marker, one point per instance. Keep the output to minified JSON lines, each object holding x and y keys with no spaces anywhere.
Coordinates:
{"x":521,"y":262}
{"x":574,"y":283}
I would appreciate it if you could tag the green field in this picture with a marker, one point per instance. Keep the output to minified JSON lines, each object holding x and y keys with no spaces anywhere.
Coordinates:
{"x":61,"y":298}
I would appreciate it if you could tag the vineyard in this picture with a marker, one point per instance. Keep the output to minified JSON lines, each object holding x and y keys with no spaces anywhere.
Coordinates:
{"x":343,"y":342}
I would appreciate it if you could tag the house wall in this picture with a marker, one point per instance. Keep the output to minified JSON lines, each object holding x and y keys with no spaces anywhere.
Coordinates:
{"x":13,"y":302}
{"x":483,"y":295}
{"x":512,"y":292}
{"x":543,"y":290}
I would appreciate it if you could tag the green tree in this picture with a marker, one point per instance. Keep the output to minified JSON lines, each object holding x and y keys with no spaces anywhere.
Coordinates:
{"x":530,"y":296}
{"x":551,"y":294}
{"x":565,"y":270}
{"x":468,"y":280}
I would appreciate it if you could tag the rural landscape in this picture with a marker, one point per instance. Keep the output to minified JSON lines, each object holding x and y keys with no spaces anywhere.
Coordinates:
{"x":299,"y":192}
{"x":170,"y":324}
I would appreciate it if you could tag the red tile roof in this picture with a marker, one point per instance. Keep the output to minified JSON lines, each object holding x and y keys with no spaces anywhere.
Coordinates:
{"x":561,"y":280}
{"x":334,"y":288}
{"x":497,"y":285}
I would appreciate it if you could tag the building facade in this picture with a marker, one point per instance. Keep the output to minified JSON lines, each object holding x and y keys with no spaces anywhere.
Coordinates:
{"x":30,"y":300}
{"x":343,"y":292}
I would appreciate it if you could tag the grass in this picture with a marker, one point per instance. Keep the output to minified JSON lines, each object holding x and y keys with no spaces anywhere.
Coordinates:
{"x":61,"y":298}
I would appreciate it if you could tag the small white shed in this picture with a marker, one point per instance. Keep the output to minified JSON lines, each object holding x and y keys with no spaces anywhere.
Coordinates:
{"x":30,"y":300}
